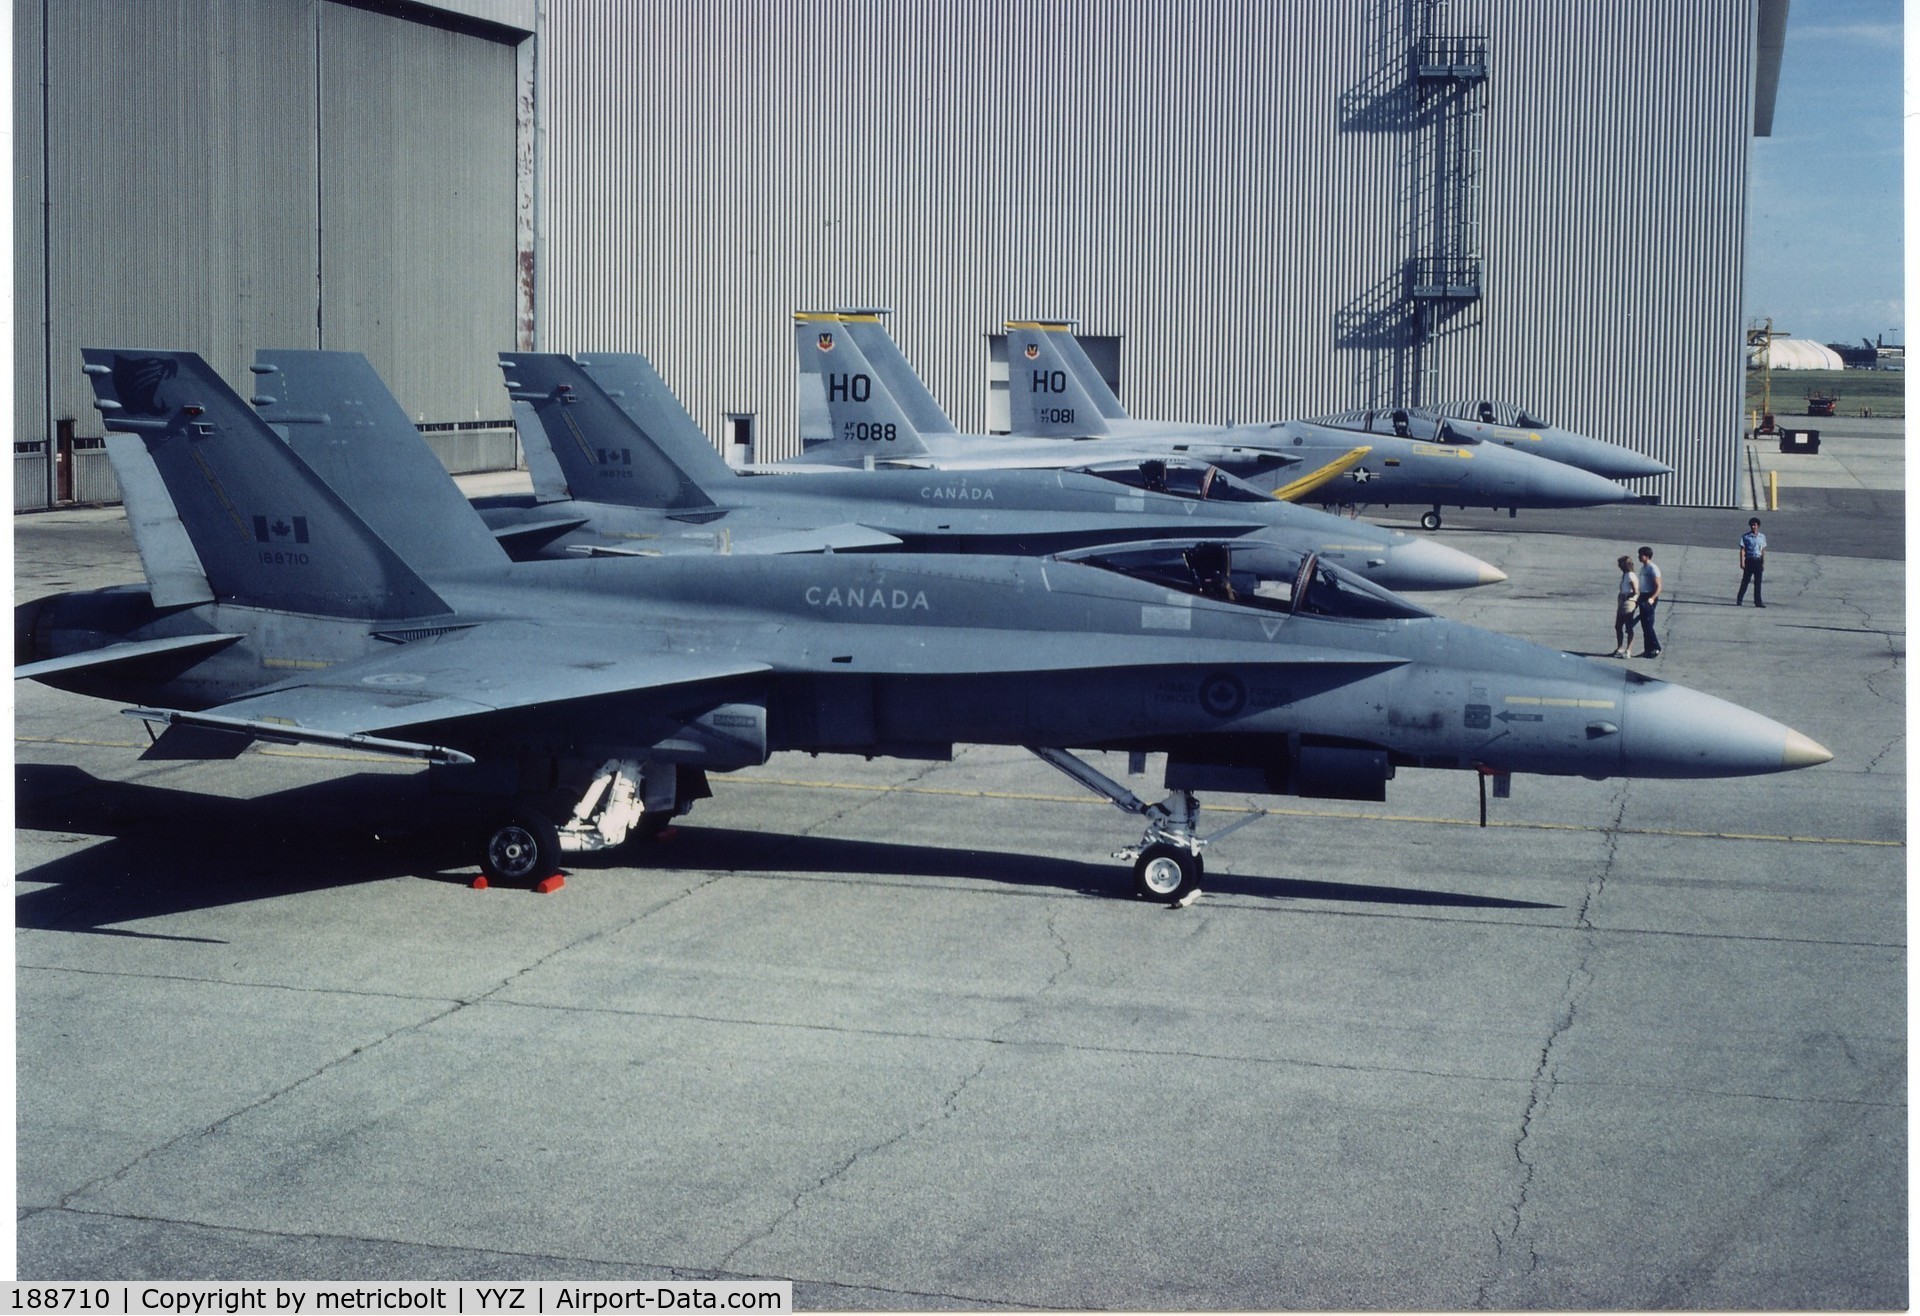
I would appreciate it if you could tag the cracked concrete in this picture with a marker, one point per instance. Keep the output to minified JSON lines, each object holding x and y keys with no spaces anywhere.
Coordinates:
{"x":912,"y":1045}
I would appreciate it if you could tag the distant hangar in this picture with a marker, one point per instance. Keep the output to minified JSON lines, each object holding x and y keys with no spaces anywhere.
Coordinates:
{"x":1258,"y":214}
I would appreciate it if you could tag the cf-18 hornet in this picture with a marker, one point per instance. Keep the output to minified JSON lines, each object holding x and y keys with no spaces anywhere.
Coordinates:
{"x":298,"y":617}
{"x":636,"y":472}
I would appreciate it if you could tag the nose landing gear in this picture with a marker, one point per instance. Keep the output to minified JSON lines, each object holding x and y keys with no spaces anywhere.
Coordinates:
{"x":1166,"y":863}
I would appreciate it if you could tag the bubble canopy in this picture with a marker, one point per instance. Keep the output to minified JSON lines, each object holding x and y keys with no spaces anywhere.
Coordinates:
{"x":1252,"y":573}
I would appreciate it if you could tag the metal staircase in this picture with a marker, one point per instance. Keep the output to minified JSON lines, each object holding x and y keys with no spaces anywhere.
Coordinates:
{"x":1447,"y":161}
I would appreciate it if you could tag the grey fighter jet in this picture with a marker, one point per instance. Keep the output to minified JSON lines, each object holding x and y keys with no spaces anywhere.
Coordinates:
{"x":1054,"y":391}
{"x":862,"y":404}
{"x":293,"y":619}
{"x":1504,"y":425}
{"x":608,"y":424}
{"x":618,"y":436}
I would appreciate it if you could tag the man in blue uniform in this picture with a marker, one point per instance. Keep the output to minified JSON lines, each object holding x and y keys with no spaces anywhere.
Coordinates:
{"x":1753,"y":563}
{"x":1649,"y":600}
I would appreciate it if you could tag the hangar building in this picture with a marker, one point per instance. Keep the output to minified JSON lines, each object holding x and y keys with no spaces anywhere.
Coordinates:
{"x":1257,"y":210}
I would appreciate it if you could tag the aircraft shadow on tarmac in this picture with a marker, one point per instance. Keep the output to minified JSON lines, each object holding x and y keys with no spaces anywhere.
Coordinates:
{"x":173,"y":851}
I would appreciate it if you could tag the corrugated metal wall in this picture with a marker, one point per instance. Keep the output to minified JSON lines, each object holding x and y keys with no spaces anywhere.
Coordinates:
{"x":1227,"y":185}
{"x":417,"y":208}
{"x":224,"y":175}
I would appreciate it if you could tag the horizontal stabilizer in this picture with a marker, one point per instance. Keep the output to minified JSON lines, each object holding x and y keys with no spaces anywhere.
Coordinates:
{"x":535,"y":533}
{"x":114,"y":654}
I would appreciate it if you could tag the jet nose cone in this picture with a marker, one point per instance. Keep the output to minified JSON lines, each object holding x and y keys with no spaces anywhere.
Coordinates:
{"x":1423,"y":564}
{"x":1634,"y":466}
{"x":1804,"y":753}
{"x":1599,"y":457}
{"x":1569,"y":486}
{"x":1672,"y":731}
{"x":1617,"y":463}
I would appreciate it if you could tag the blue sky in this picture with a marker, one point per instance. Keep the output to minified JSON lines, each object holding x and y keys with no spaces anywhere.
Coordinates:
{"x":1826,"y":224}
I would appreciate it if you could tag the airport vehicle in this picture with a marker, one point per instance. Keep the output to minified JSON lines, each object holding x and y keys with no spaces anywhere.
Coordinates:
{"x":1508,"y":426}
{"x":868,"y":405}
{"x":615,"y":433}
{"x":293,"y":619}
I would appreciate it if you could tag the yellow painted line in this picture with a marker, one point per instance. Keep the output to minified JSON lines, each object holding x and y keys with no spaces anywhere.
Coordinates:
{"x":89,"y":744}
{"x":1442,"y":450}
{"x":1342,"y":815}
{"x":811,"y":316}
{"x":1306,"y":484}
{"x":297,"y":664}
{"x":1043,"y":326}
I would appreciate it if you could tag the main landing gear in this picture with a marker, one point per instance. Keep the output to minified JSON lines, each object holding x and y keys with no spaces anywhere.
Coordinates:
{"x":1167,"y":864}
{"x":1430,"y":520}
{"x":624,"y":795}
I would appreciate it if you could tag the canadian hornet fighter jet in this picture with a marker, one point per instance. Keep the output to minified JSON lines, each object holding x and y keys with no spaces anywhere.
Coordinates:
{"x":607,"y":425}
{"x":294,"y":619}
{"x":620,"y":438}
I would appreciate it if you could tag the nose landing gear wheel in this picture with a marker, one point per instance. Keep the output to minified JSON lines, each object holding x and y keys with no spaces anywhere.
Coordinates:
{"x":1430,"y":520}
{"x":1166,"y":872}
{"x":524,"y":848}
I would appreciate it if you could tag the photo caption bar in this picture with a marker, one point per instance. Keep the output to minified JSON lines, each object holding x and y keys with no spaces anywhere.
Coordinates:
{"x":195,"y":1298}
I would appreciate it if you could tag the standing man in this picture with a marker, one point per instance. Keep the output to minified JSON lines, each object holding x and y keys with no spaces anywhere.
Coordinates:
{"x":1649,"y":600}
{"x":1753,"y":563}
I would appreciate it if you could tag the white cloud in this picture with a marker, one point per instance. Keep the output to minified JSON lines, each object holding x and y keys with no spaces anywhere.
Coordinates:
{"x":1876,"y":34}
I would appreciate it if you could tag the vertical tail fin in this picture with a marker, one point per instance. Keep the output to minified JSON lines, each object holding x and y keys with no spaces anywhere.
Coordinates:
{"x":847,"y":412}
{"x":336,"y":412}
{"x":268,"y":532}
{"x":891,"y":367}
{"x":1069,"y":346}
{"x":616,"y":430}
{"x":1047,"y":391}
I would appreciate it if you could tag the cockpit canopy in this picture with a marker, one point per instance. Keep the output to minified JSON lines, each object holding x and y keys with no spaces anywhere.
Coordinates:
{"x":1252,"y":572}
{"x":1181,"y":480}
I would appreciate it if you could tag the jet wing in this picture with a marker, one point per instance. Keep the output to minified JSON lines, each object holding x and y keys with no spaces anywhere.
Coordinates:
{"x":113,"y":654}
{"x":489,"y":668}
{"x":824,"y":539}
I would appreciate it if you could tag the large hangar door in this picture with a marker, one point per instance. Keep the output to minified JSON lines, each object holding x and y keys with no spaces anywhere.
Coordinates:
{"x":228,"y":175}
{"x":418,"y":265}
{"x":170,"y":146}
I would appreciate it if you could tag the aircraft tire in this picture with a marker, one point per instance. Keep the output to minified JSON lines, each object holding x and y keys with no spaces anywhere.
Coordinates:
{"x":523,"y":848}
{"x":1430,"y":520}
{"x":1166,"y":873}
